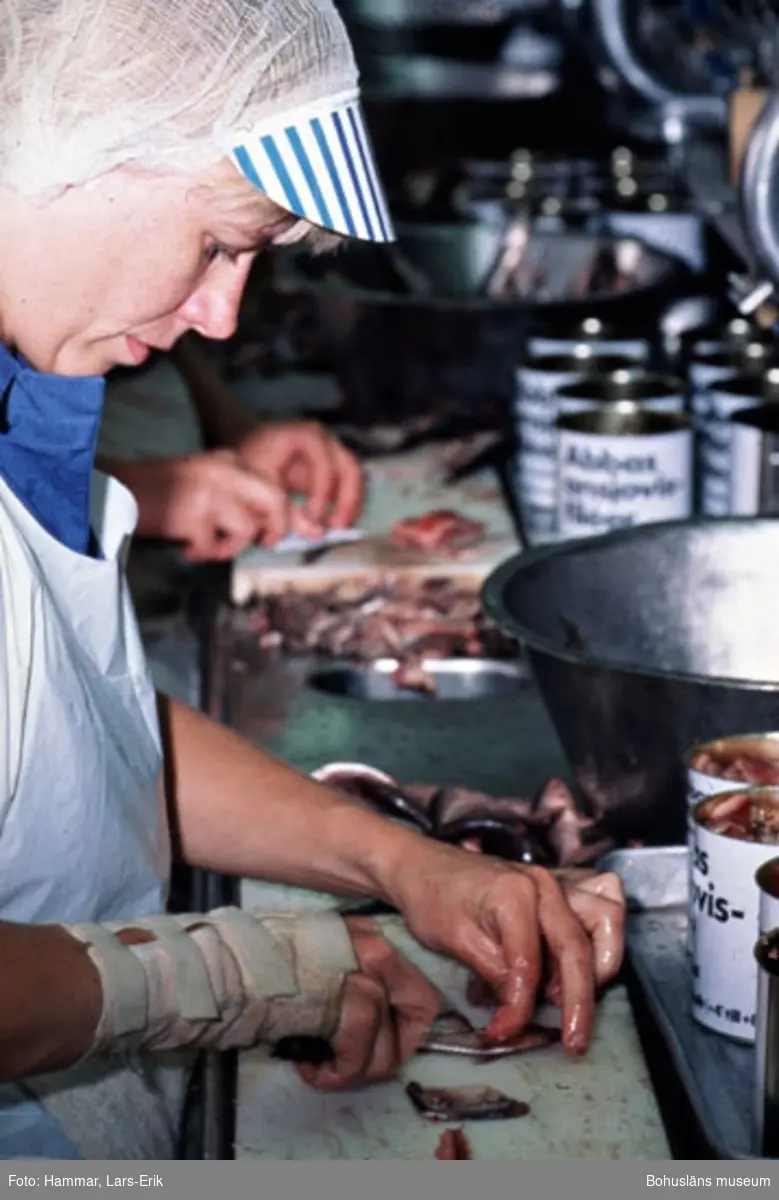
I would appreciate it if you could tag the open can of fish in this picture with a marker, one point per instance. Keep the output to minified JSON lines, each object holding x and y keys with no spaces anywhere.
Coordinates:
{"x":754,"y":462}
{"x":591,"y":332}
{"x":726,"y":397}
{"x":621,"y":465}
{"x":766,"y":1095}
{"x":735,"y":833}
{"x":707,"y":370}
{"x":655,"y":393}
{"x":726,"y":764}
{"x":539,"y":382}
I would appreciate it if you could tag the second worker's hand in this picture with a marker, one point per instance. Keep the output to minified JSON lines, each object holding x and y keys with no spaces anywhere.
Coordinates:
{"x":213,"y":504}
{"x":305,"y":458}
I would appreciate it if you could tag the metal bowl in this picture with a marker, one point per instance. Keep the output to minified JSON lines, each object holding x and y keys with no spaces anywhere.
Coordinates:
{"x":644,"y":642}
{"x":412,"y":326}
{"x":435,"y":266}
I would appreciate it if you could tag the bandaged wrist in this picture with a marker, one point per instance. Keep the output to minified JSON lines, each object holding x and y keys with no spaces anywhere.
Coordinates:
{"x":227,"y":979}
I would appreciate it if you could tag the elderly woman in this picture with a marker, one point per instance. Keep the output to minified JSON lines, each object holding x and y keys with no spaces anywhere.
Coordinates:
{"x":147,"y":153}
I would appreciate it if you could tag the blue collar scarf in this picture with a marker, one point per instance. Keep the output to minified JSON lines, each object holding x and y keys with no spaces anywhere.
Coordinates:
{"x":48,"y":436}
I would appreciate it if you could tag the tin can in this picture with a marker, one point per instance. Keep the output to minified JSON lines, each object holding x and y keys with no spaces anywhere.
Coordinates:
{"x":744,"y":760}
{"x":539,"y":381}
{"x":727,"y":854}
{"x":767,"y":880}
{"x":726,"y":397}
{"x":766,"y":1102}
{"x":751,"y":358}
{"x":754,"y":462}
{"x":766,"y":1095}
{"x":655,"y":393}
{"x":593,"y":333}
{"x":726,"y":764}
{"x":621,"y":466}
{"x":716,"y":338}
{"x":622,"y":162}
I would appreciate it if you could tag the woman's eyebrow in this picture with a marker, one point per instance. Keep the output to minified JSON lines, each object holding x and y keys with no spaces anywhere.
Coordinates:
{"x":253,"y":227}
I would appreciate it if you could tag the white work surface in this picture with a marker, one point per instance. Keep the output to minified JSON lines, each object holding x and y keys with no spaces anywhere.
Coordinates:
{"x":601,"y":1107}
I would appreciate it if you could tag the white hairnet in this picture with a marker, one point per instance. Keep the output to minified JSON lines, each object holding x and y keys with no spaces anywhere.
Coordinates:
{"x":88,"y":85}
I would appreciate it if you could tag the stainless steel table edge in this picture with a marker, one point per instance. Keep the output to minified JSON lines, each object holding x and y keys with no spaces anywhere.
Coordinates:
{"x":656,"y":882}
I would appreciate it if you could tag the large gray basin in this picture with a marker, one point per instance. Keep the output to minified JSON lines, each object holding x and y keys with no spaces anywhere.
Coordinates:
{"x":642,"y":643}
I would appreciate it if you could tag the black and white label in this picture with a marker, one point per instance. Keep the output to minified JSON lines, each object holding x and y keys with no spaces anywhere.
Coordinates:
{"x":699,"y":787}
{"x":724,"y":911}
{"x":609,"y":482}
{"x":702,"y":375}
{"x":537,"y":408}
{"x":715,"y":452}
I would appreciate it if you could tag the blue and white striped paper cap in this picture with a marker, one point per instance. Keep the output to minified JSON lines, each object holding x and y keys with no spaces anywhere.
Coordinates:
{"x":317,"y":162}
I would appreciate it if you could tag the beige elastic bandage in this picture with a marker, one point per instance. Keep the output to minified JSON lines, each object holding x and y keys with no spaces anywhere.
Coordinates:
{"x":227,"y":979}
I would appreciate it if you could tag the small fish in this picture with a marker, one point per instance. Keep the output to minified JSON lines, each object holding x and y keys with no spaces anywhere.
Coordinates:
{"x":452,"y":1033}
{"x":470,"y":1103}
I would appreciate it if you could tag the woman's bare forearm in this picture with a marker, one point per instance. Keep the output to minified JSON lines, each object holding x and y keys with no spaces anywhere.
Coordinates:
{"x":239,"y":811}
{"x":50,"y":1000}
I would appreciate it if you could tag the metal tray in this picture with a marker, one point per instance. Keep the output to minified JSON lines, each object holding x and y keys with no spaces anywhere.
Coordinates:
{"x":717,"y":1074}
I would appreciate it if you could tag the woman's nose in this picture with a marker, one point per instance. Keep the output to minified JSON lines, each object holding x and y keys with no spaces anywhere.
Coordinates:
{"x":212,"y":309}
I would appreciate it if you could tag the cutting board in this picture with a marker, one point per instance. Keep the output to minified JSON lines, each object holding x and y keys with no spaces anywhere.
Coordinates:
{"x":397,"y":487}
{"x":602,"y":1106}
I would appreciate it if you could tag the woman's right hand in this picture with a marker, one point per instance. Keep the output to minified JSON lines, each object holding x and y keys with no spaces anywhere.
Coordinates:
{"x":388,"y":1007}
{"x":212,"y":503}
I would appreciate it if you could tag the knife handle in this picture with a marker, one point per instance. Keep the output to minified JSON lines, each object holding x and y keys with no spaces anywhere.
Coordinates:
{"x":314,"y":1050}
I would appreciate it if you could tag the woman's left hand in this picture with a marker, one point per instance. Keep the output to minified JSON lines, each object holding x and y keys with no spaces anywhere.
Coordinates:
{"x":301,"y":456}
{"x":512,"y":926}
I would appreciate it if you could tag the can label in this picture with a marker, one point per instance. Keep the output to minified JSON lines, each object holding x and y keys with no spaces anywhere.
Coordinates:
{"x":699,"y":788}
{"x":610,"y":482}
{"x":726,"y":902}
{"x":746,"y":460}
{"x":536,"y":413}
{"x":702,"y":375}
{"x":714,"y":451}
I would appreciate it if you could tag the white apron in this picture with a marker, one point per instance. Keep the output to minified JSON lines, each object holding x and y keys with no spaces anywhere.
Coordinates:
{"x":83,"y":830}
